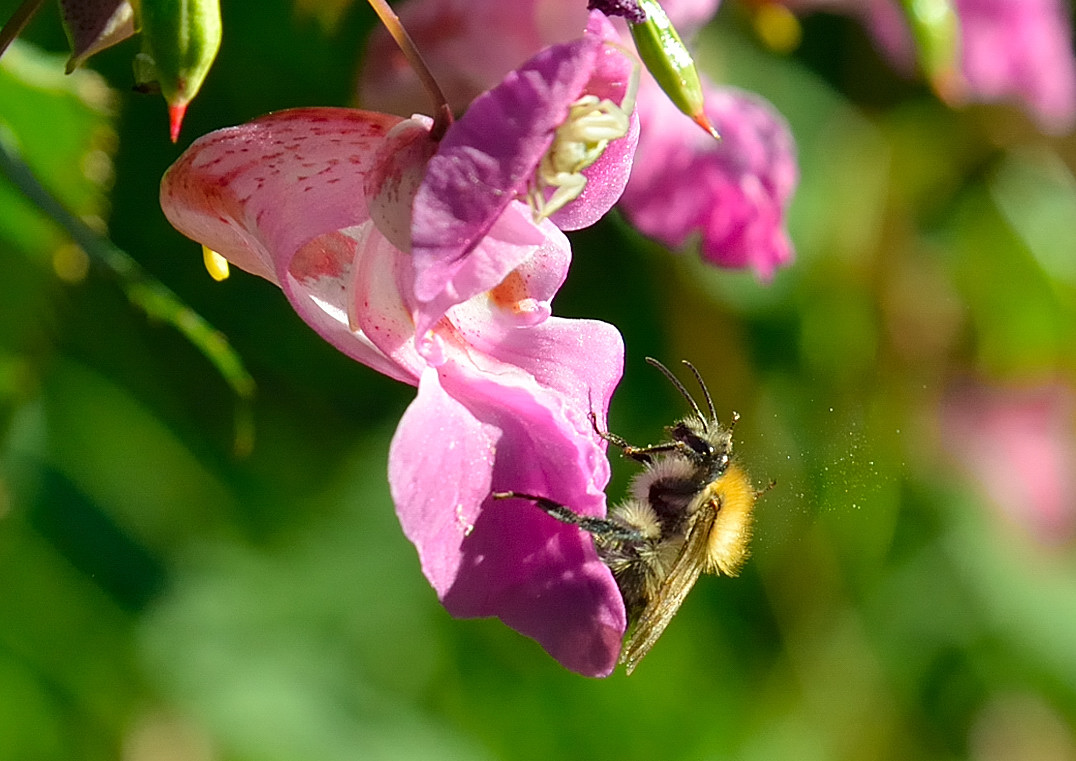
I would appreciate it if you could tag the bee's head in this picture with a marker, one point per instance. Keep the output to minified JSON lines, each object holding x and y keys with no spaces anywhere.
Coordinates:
{"x":707,"y":442}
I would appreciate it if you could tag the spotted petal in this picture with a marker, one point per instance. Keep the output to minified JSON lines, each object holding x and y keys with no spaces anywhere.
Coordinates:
{"x":283,"y":197}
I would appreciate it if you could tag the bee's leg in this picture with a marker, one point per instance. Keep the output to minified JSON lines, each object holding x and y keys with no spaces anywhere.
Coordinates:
{"x":612,"y":438}
{"x":639,"y":454}
{"x":599,"y":527}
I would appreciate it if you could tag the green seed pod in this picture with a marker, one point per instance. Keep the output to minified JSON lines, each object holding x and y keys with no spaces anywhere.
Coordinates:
{"x":667,"y":58}
{"x":936,"y":29}
{"x":182,"y":38}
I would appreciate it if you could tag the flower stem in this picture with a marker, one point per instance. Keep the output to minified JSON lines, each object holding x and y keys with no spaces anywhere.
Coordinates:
{"x":18,"y":20}
{"x":442,"y":113}
{"x":144,"y":291}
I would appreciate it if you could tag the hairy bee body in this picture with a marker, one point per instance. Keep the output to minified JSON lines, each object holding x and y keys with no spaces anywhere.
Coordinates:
{"x":690,"y":512}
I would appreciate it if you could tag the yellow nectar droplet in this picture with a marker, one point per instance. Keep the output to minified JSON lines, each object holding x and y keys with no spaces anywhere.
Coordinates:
{"x":215,"y":264}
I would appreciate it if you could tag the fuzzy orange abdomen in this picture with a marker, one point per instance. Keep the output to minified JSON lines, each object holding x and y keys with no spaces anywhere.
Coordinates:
{"x":730,"y":536}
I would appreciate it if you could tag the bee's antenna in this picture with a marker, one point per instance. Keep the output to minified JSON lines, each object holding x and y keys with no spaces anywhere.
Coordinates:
{"x":702,"y":385}
{"x":680,"y":387}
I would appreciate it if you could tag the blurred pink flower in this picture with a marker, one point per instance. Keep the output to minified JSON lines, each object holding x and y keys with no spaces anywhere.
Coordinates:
{"x":737,"y":213}
{"x":1011,"y":50}
{"x":689,"y":16}
{"x":731,"y":193}
{"x":1021,"y":50}
{"x":347,"y":212}
{"x":448,"y":31}
{"x":1019,"y":445}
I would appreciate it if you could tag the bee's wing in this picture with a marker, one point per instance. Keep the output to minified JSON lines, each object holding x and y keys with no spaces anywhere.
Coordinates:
{"x":682,"y":577}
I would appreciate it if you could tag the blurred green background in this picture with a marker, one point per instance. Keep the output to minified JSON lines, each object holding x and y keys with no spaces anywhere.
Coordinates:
{"x":164,"y":599}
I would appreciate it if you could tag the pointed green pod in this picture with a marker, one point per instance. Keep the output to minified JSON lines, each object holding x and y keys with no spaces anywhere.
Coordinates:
{"x":667,"y":58}
{"x":182,"y":38}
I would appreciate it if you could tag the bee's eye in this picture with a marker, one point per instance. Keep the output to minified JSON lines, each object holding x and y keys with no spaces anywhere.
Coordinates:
{"x":698,"y":445}
{"x":701,"y":446}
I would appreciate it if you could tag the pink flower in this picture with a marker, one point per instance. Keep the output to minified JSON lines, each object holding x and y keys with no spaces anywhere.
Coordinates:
{"x":1010,"y":50}
{"x":1019,"y":446}
{"x":731,"y":193}
{"x":447,"y":33}
{"x":737,"y":213}
{"x":495,"y":152}
{"x":347,"y":212}
{"x":1021,"y":50}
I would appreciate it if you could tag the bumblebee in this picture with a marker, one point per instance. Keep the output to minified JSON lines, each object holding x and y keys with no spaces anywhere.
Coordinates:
{"x":690,"y":512}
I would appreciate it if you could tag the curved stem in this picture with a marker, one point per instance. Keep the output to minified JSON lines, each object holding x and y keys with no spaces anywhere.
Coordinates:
{"x":145,"y":292}
{"x":442,"y":113}
{"x":18,"y":21}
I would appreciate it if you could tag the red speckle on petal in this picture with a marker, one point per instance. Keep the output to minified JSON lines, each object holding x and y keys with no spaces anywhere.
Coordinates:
{"x":509,"y":292}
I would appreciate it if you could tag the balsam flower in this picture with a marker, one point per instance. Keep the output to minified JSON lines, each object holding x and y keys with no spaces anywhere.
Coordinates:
{"x":731,"y":194}
{"x":359,"y":218}
{"x":1018,"y":446}
{"x":1010,"y":50}
{"x":736,"y":213}
{"x":511,"y":143}
{"x":1020,"y":50}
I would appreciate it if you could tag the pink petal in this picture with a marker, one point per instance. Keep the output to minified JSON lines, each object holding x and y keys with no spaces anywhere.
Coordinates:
{"x":1021,"y":51}
{"x":448,"y":32}
{"x":283,"y":197}
{"x":733,"y":192}
{"x":615,"y":76}
{"x":512,"y":240}
{"x":438,"y":440}
{"x":580,"y":360}
{"x":606,"y":179}
{"x":257,"y":192}
{"x":379,"y":306}
{"x":395,"y":177}
{"x":489,"y":155}
{"x":506,"y":558}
